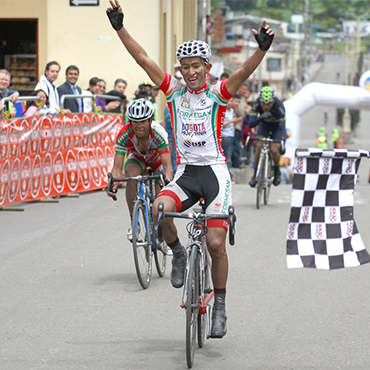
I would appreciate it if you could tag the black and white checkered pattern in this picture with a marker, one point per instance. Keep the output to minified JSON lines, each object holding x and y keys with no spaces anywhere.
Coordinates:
{"x":322,"y":232}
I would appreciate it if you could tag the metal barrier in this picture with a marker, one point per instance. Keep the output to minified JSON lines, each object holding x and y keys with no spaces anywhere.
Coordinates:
{"x":63,"y":98}
{"x":91,"y":97}
{"x":21,"y":98}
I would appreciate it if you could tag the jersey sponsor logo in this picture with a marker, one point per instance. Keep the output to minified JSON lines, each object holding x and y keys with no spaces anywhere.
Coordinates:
{"x":193,"y":129}
{"x":196,"y":144}
{"x":225,"y":205}
{"x":185,"y":104}
{"x":193,"y":115}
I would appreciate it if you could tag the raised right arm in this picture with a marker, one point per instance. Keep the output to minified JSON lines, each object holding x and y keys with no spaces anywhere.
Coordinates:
{"x":141,"y":57}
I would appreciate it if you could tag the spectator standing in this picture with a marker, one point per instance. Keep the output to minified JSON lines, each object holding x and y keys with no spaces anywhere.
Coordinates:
{"x":70,"y":88}
{"x":46,"y":83}
{"x":5,"y":78}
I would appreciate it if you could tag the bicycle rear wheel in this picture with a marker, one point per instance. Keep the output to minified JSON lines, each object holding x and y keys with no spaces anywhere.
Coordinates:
{"x":192,"y":305}
{"x":160,"y":257}
{"x":141,"y":245}
{"x":261,"y":174}
{"x":266,"y":190}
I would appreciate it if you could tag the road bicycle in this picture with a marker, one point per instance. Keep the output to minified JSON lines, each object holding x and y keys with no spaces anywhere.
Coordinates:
{"x":197,"y":292}
{"x":265,"y":173}
{"x":144,"y":240}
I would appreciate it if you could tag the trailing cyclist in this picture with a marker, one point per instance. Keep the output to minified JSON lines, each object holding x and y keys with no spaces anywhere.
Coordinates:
{"x":268,"y":113}
{"x":197,"y":112}
{"x":147,"y":145}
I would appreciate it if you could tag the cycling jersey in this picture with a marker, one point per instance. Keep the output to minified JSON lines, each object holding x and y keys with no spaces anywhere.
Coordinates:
{"x":197,"y":118}
{"x":158,"y":143}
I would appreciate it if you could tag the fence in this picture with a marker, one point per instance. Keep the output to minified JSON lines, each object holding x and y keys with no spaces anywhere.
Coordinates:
{"x":42,"y":157}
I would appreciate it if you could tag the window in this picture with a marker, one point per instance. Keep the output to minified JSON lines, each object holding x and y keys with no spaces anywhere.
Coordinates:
{"x":274,"y":64}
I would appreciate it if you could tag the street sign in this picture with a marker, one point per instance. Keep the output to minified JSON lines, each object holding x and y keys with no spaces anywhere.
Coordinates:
{"x":84,"y":2}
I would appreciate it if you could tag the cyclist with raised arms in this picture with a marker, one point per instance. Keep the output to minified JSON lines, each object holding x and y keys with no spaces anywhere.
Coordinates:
{"x":147,"y":145}
{"x":197,"y":112}
{"x":268,"y":113}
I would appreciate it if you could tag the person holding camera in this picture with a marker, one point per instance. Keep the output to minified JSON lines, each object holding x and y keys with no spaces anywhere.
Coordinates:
{"x":268,"y":113}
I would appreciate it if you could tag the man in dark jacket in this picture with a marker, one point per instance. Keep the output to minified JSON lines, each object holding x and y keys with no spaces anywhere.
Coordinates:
{"x":70,"y":87}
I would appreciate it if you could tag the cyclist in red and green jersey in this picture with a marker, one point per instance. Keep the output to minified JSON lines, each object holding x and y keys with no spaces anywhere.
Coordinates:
{"x":198,"y":112}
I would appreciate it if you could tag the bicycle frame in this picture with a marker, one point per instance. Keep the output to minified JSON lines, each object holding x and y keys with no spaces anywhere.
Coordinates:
{"x":197,"y":240}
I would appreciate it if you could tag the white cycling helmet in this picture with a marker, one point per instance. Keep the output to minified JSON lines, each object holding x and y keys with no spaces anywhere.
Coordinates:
{"x":140,"y":110}
{"x":194,"y":48}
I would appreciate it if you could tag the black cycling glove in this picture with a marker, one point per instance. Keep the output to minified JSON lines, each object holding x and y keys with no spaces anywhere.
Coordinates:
{"x":116,"y":18}
{"x":264,"y":40}
{"x":264,"y":116}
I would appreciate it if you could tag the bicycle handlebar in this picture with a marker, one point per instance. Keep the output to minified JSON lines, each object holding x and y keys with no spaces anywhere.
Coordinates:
{"x":196,"y":216}
{"x":140,"y":178}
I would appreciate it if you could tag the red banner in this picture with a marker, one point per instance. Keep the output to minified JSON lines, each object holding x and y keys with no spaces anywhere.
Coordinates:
{"x":42,"y":157}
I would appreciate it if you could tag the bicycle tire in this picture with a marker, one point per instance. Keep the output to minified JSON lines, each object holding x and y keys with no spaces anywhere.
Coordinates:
{"x":261,"y":169}
{"x":202,"y":317}
{"x":141,"y":245}
{"x":160,"y":257}
{"x":266,"y":191}
{"x":192,"y":301}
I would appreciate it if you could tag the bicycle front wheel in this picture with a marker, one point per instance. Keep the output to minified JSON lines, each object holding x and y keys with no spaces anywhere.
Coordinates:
{"x":266,"y":190}
{"x":260,"y":178}
{"x":192,"y":305}
{"x":141,"y":245}
{"x":202,"y":317}
{"x":160,"y":257}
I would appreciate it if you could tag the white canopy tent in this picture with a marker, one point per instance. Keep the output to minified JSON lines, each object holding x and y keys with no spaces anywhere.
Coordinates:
{"x":319,"y":94}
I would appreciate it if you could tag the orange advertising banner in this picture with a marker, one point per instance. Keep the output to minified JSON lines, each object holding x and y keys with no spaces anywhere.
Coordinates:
{"x":42,"y":157}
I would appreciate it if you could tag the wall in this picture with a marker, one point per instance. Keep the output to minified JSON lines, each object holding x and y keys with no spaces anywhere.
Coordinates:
{"x":83,"y":36}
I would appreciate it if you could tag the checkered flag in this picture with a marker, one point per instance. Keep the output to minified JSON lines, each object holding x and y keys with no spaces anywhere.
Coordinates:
{"x":322,"y":232}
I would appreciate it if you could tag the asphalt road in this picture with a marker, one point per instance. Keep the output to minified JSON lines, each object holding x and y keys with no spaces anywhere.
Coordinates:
{"x":70,"y":298}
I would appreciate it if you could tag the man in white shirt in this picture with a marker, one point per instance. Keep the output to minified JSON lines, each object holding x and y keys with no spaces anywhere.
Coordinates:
{"x":46,"y":83}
